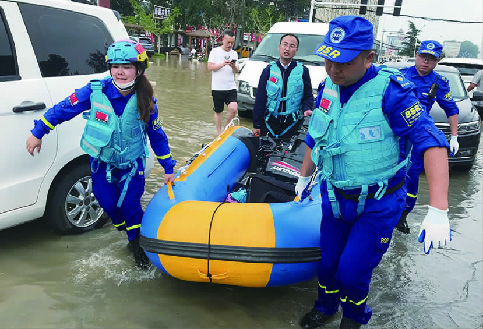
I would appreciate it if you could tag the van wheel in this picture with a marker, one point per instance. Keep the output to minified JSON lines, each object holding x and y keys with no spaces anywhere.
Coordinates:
{"x":72,"y":207}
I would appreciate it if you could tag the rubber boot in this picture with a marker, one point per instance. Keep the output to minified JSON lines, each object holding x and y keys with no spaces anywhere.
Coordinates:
{"x":142,"y":261}
{"x":402,"y":225}
{"x":347,"y":323}
{"x":314,"y":319}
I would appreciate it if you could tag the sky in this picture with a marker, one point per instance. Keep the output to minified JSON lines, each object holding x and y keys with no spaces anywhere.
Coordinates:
{"x":462,"y":10}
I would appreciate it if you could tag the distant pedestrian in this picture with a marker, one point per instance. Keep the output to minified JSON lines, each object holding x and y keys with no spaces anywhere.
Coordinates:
{"x":223,"y":62}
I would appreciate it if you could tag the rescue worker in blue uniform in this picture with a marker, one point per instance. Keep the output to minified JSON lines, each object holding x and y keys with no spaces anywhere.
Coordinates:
{"x":430,"y":87}
{"x":364,"y":119}
{"x":120,"y":111}
{"x":284,"y":90}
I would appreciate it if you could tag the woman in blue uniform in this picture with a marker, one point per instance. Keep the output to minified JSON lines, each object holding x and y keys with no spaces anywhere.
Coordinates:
{"x":120,"y":111}
{"x":358,"y":133}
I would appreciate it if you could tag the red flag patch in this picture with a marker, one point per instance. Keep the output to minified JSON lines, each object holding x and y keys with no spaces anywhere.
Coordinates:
{"x":325,"y":104}
{"x":273,"y":79}
{"x":100,"y":116}
{"x":73,"y":99}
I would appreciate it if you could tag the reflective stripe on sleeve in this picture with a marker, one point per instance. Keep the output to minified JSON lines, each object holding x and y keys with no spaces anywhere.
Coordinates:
{"x":162,"y":157}
{"x":48,"y":124}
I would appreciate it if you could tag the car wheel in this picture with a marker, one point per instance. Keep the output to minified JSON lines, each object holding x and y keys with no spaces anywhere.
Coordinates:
{"x":72,"y":207}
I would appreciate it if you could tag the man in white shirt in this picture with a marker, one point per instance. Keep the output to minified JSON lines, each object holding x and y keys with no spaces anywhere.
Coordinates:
{"x":223,"y":62}
{"x":477,"y":82}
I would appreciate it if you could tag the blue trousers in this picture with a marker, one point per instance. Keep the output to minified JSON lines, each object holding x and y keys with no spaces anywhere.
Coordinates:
{"x":351,"y":247}
{"x":127,"y":217}
{"x":412,"y":181}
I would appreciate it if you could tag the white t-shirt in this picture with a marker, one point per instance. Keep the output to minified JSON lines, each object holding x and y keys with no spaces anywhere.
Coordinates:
{"x":478,"y":80}
{"x":224,"y":78}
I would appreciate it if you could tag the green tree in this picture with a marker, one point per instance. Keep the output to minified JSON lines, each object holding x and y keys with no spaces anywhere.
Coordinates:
{"x":468,"y":50}
{"x":124,"y":7}
{"x":263,"y":19}
{"x":410,"y":44}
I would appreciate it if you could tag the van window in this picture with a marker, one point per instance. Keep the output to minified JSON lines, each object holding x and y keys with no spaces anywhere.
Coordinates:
{"x":457,"y":88}
{"x":268,"y":48}
{"x":7,"y":58}
{"x":77,"y":50}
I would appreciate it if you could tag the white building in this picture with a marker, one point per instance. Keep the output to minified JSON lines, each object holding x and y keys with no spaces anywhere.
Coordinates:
{"x":451,"y":48}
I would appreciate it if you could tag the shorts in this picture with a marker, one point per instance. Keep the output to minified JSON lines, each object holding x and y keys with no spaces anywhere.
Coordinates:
{"x":222,"y":97}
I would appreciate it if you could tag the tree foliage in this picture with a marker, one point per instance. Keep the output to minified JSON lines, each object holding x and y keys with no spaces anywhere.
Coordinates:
{"x":410,"y":44}
{"x":249,"y":15}
{"x":468,"y":50}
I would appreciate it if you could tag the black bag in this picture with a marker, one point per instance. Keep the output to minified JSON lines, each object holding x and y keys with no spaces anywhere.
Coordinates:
{"x":266,"y":189}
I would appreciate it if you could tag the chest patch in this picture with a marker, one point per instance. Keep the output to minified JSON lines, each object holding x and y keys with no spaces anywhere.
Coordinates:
{"x":368,"y":134}
{"x":100,"y":116}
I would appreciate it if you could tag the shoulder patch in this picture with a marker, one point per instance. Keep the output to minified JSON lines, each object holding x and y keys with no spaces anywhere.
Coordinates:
{"x":412,"y":113}
{"x":445,"y":79}
{"x":401,"y":80}
{"x":73,"y":99}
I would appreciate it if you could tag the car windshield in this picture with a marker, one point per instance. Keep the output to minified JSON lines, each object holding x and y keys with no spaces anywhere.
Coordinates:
{"x":268,"y":48}
{"x":465,"y":69}
{"x":456,"y":86}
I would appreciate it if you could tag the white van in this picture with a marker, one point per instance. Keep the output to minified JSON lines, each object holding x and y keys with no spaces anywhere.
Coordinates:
{"x":310,"y":36}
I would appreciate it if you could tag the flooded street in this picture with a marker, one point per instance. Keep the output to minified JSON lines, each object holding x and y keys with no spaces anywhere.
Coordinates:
{"x":89,"y":281}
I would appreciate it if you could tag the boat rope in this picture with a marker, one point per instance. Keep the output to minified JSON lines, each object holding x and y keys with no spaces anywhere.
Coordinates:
{"x":208,"y":274}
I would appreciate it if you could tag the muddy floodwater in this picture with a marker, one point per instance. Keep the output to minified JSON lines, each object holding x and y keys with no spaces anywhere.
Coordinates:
{"x":89,"y":281}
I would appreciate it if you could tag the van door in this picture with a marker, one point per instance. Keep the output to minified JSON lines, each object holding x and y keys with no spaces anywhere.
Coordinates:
{"x":24,"y":98}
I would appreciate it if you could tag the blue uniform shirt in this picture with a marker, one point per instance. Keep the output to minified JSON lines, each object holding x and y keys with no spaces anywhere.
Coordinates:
{"x":80,"y":101}
{"x":399,"y":104}
{"x":423,"y":85}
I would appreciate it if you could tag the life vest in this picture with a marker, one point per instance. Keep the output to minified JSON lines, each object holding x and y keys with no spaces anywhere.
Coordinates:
{"x":116,"y":140}
{"x":293,"y":97}
{"x":354,"y":146}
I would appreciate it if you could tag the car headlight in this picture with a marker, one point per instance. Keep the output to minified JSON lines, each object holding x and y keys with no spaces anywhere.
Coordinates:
{"x":469,"y":128}
{"x":243,"y":87}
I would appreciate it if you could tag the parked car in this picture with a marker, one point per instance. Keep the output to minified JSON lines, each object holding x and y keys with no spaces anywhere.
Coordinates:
{"x":309,"y":34}
{"x":467,"y":67}
{"x":145,"y":42}
{"x":49,"y":48}
{"x":469,"y":123}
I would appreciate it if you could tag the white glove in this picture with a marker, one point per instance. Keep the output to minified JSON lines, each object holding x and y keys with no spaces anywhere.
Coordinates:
{"x":435,"y":231}
{"x":454,"y":146}
{"x":301,"y":184}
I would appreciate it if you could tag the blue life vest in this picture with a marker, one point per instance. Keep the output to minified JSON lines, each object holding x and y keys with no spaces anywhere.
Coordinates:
{"x":354,"y":146}
{"x":116,"y":140}
{"x":293,"y":97}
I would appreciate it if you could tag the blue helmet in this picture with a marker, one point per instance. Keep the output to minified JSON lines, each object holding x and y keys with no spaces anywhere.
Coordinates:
{"x":126,"y":51}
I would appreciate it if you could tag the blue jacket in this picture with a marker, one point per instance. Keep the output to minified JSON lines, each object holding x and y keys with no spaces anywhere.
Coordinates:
{"x":398,"y":106}
{"x":261,"y":97}
{"x":423,"y":84}
{"x":80,"y":101}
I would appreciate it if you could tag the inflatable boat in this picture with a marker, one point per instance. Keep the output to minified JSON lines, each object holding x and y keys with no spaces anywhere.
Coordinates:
{"x":190,"y":231}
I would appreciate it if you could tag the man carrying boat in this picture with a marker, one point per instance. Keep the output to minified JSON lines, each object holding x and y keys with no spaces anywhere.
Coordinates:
{"x":365,"y":118}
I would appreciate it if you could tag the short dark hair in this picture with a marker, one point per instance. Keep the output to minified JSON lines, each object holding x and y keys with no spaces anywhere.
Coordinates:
{"x":290,"y":35}
{"x":228,"y":33}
